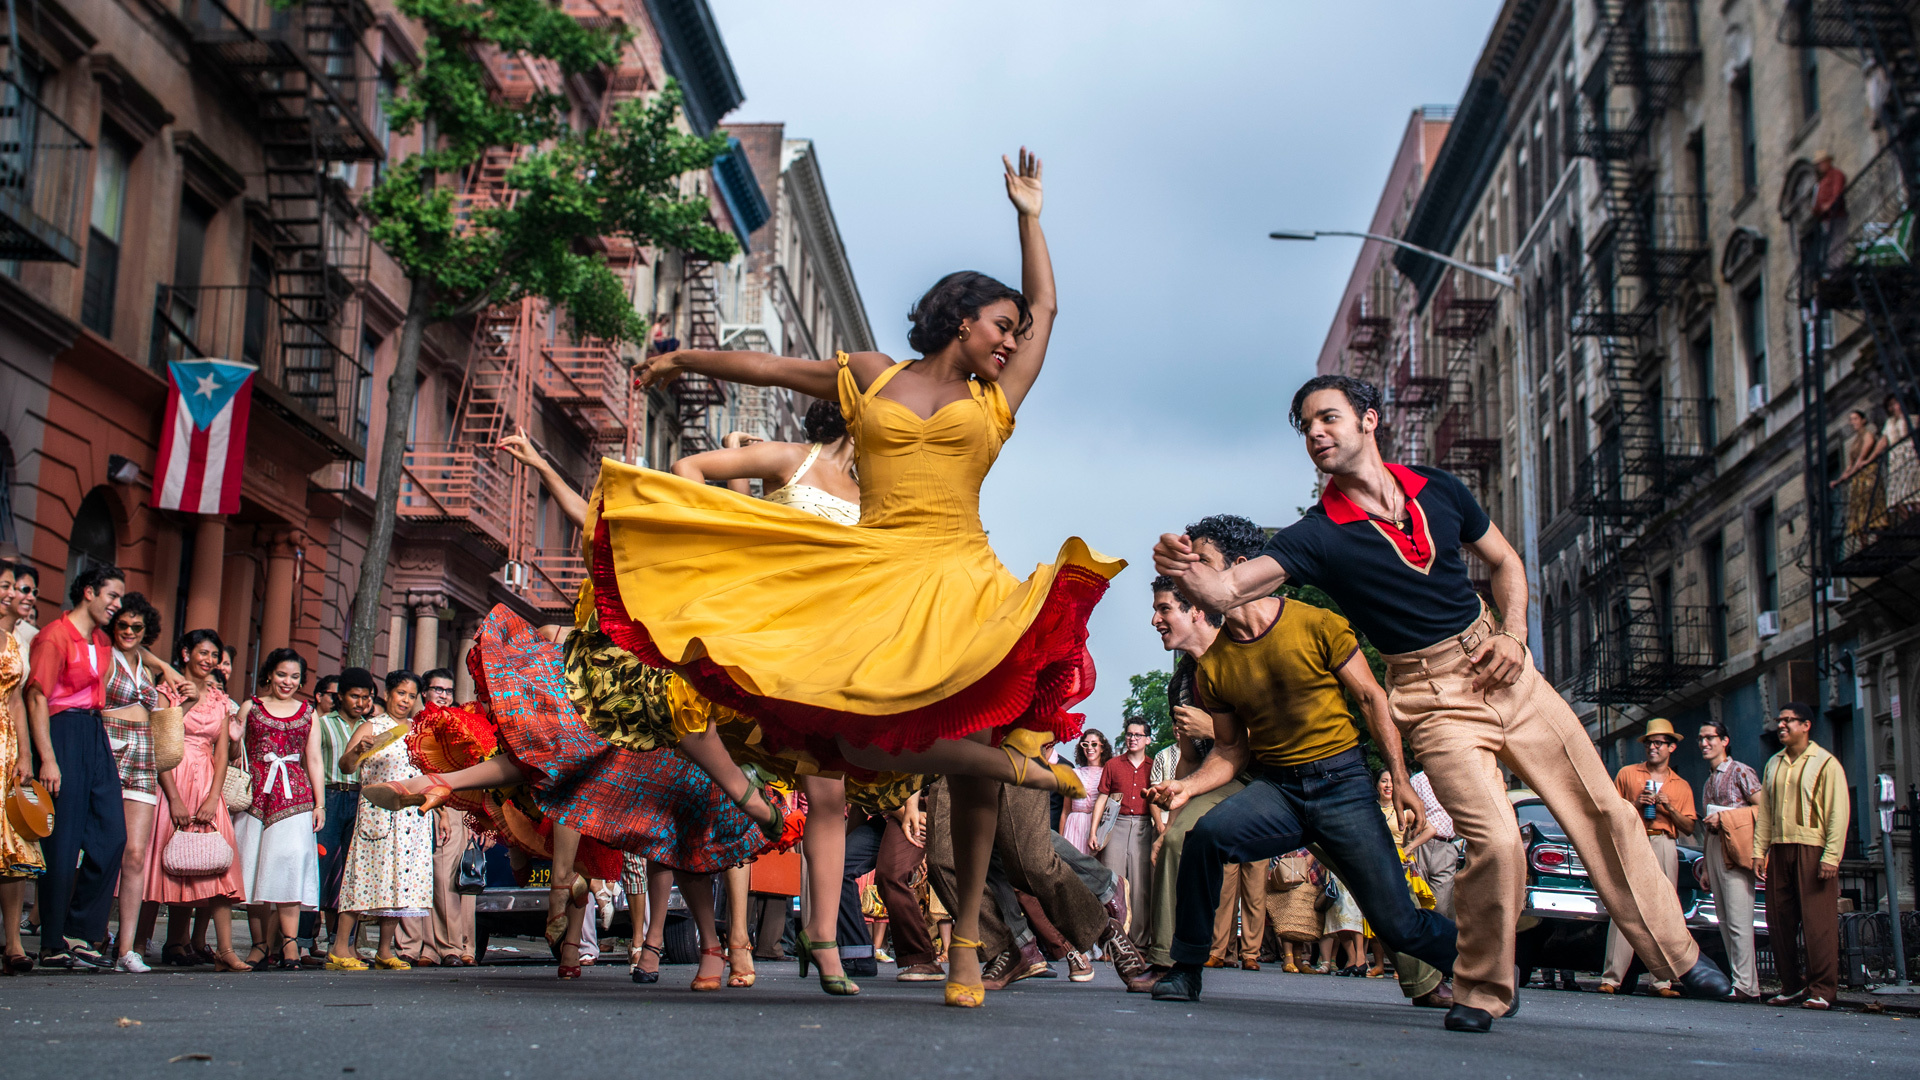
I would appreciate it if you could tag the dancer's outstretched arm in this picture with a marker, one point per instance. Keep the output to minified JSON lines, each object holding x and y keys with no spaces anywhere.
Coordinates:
{"x":521,"y":449}
{"x":810,"y":377}
{"x":1036,"y":280}
{"x":768,"y":462}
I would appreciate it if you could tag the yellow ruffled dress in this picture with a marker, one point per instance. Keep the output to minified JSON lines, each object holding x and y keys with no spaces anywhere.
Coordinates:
{"x":894,"y":632}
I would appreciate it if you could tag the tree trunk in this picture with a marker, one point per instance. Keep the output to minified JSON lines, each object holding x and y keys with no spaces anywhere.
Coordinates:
{"x":386,"y":500}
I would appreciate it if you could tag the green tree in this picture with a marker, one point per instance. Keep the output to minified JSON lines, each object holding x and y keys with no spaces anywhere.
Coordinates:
{"x":1147,"y":700}
{"x":620,"y":181}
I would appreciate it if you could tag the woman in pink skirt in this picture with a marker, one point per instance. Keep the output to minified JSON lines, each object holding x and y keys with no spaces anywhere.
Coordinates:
{"x":1090,"y":755}
{"x":191,"y":798}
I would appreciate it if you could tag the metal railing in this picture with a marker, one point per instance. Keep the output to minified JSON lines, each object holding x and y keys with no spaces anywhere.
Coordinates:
{"x":43,"y":179}
{"x":248,"y":322}
{"x":460,"y":483}
{"x":590,"y":381}
{"x":260,"y":41}
{"x":1643,"y":651}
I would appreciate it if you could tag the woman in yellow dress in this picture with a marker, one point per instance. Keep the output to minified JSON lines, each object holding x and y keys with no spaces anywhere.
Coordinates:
{"x":900,"y":644}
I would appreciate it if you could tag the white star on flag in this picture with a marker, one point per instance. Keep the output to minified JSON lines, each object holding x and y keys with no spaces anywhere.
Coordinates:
{"x":207,"y":386}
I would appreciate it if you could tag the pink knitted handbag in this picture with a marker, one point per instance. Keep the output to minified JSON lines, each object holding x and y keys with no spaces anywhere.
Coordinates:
{"x":196,"y":851}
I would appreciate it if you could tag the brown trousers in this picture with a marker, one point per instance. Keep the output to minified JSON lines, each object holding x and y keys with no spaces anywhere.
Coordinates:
{"x":1798,"y":900}
{"x":1461,"y":738}
{"x":1243,"y":892}
{"x":449,"y":930}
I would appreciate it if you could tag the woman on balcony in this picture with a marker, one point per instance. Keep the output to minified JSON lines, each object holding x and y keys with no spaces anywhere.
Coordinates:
{"x":1866,"y":503}
{"x":1903,"y":464}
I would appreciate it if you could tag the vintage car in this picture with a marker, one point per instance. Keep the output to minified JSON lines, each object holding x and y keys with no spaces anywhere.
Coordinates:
{"x":1564,"y":925}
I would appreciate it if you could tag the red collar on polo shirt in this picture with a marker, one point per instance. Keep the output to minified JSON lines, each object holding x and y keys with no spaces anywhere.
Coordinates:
{"x":1414,"y":545}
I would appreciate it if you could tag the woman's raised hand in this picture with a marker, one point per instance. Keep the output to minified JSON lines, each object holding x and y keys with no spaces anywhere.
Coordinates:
{"x":1023,"y":183}
{"x":658,"y":370}
{"x":520,"y":448}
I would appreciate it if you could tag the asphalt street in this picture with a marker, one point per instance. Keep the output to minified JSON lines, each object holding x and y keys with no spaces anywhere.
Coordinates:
{"x":518,"y":1021}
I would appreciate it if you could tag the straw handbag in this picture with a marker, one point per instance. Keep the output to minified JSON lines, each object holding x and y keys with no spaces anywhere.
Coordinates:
{"x":196,"y":851}
{"x":168,"y":726}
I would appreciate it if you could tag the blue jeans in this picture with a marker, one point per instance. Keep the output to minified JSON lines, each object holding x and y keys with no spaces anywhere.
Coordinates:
{"x":1329,"y":803}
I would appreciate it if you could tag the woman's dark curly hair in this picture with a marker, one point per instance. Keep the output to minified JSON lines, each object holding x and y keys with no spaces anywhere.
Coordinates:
{"x":137,"y":604}
{"x":1080,"y":750}
{"x":824,"y":422}
{"x":1235,"y":536}
{"x":958,"y":296}
{"x":193,"y":639}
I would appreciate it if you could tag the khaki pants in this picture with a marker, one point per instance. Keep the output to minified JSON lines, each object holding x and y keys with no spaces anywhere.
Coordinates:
{"x":1128,"y":852}
{"x":1166,"y":870}
{"x":1461,"y":738}
{"x":448,"y":932}
{"x":1243,"y":893}
{"x":1733,"y":900}
{"x":1619,"y":953}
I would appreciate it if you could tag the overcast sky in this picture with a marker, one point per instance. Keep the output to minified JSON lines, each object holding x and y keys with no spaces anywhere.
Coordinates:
{"x":1174,"y":138}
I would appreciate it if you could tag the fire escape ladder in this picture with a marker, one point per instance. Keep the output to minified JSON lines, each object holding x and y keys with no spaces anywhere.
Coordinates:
{"x":697,"y":396}
{"x":1650,"y":245}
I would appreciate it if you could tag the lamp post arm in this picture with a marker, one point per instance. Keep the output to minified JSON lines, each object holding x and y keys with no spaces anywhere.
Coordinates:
{"x":1497,"y":278}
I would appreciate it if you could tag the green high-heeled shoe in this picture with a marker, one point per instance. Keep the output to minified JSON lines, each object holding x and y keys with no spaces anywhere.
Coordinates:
{"x":837,"y":985}
{"x":772,"y":830}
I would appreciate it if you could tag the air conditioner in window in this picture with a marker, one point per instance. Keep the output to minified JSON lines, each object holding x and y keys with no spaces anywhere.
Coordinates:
{"x":514,"y":575}
{"x":1769,"y":624}
{"x":1836,"y":591}
{"x":1756,"y":397}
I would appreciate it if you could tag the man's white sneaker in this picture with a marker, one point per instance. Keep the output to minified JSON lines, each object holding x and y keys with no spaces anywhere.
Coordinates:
{"x":132,"y":964}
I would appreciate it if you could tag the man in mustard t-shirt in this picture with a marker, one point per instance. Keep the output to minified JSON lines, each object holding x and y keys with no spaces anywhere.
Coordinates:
{"x":1273,"y":683}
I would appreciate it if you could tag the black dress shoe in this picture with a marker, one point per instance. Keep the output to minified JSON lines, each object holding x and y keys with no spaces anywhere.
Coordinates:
{"x":860,"y":967}
{"x":1705,"y":980}
{"x":1468,"y":1018}
{"x":1513,"y":1009}
{"x":1180,"y":984}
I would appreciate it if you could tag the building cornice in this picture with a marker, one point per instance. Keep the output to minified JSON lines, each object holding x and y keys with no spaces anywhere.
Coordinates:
{"x":813,"y":211}
{"x":691,"y":45}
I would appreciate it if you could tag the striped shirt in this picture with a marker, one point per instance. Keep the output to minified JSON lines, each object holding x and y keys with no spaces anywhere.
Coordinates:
{"x":336,"y":730}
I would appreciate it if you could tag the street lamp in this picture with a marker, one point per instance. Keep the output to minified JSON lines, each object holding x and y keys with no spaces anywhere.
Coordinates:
{"x":1497,"y":278}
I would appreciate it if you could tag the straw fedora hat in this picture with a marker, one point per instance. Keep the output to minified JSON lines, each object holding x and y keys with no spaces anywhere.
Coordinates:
{"x":1659,"y":726}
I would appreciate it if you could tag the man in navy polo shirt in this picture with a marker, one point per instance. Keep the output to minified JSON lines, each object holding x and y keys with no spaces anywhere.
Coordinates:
{"x":1385,"y":544}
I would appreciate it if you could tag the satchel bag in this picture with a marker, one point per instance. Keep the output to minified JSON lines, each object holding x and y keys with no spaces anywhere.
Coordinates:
{"x":1289,"y":873}
{"x":196,"y":851}
{"x":1329,"y":896}
{"x":471,"y":878}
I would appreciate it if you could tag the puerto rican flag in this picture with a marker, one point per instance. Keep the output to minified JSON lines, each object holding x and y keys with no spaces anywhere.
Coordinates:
{"x":203,"y":440}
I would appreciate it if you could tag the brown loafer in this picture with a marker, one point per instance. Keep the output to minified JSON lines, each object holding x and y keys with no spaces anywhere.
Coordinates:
{"x":1249,"y":965}
{"x":1440,"y":997}
{"x":1143,"y":983}
{"x":1215,"y":962}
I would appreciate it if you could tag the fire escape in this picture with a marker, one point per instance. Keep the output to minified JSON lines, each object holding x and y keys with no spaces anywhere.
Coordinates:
{"x":1872,"y":525}
{"x":1463,"y":308}
{"x":697,"y":397}
{"x":1650,"y":246}
{"x":303,"y":78}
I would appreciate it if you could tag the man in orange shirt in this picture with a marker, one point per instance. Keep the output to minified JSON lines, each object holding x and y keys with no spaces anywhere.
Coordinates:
{"x":1665,"y":803}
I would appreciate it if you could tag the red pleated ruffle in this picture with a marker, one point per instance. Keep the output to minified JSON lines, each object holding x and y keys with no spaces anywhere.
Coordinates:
{"x":1045,"y":674}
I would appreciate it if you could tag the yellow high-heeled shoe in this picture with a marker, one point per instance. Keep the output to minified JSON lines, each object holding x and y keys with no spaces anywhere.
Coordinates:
{"x":960,"y":995}
{"x":837,"y":985}
{"x":1022,"y":746}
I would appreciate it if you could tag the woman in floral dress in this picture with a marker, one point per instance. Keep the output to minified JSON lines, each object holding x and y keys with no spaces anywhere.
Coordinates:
{"x":279,"y":857}
{"x":389,"y":873}
{"x":191,"y":798}
{"x":20,"y":859}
